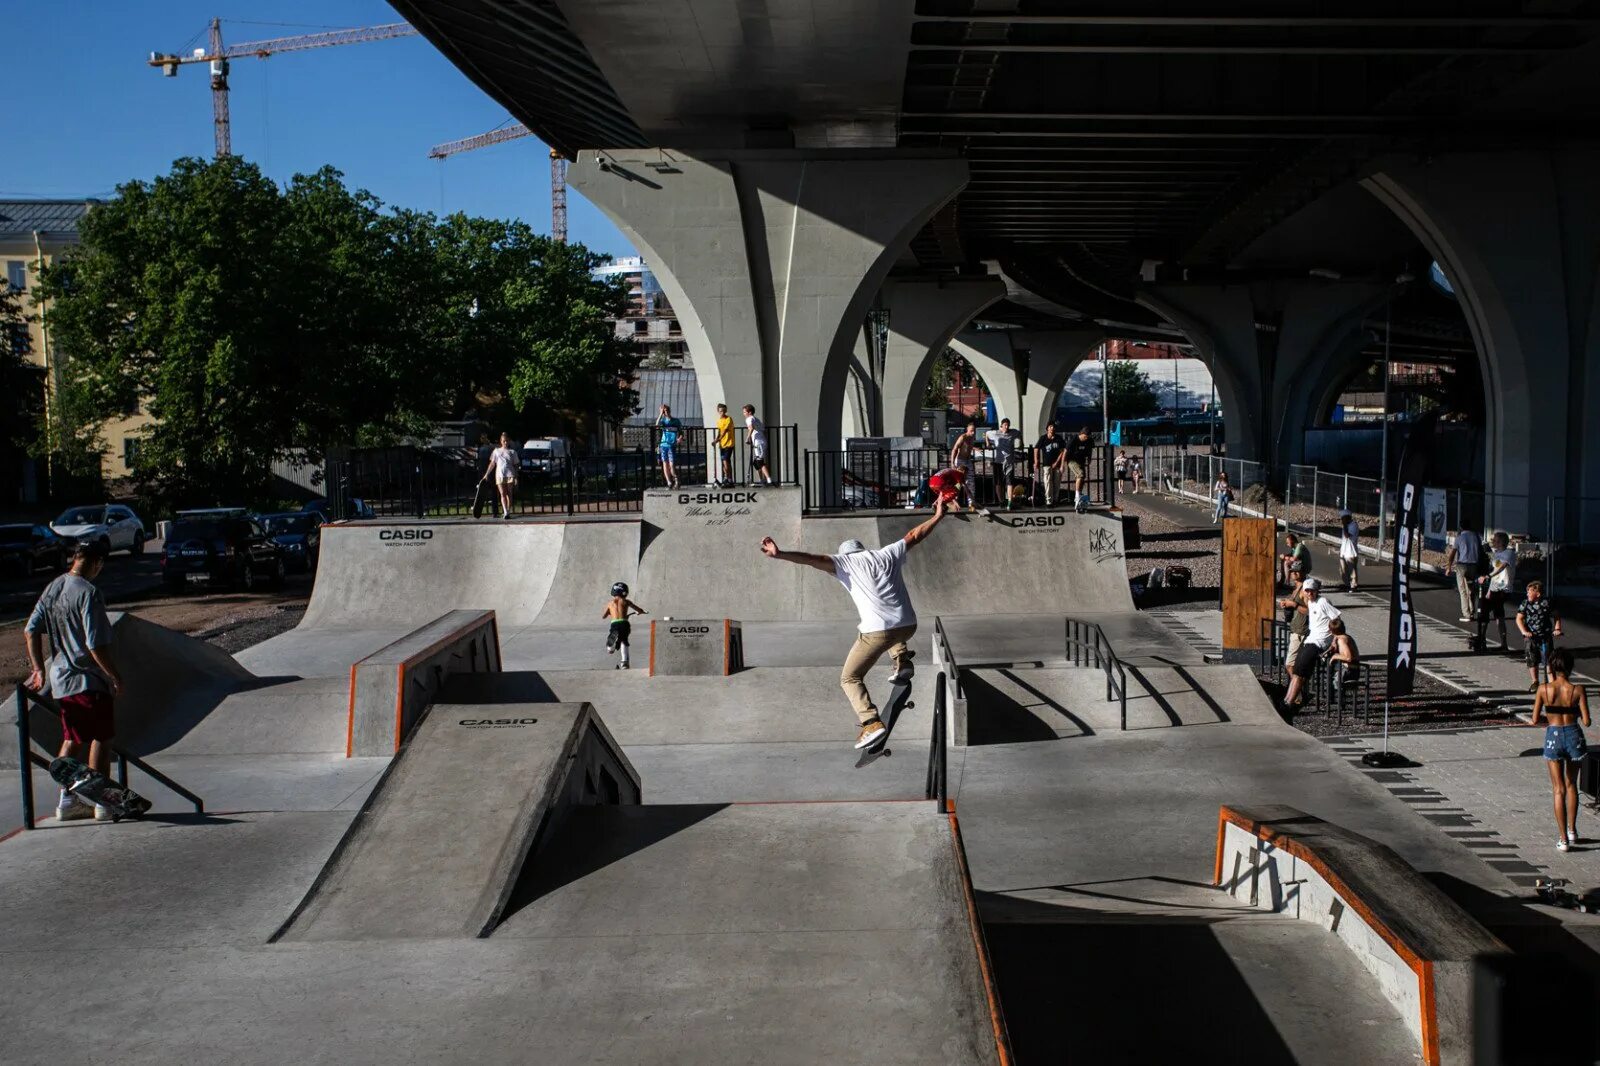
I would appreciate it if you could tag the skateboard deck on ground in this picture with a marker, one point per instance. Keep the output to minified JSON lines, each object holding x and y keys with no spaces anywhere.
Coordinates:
{"x":95,"y":787}
{"x":899,"y":700}
{"x":1554,"y":891}
{"x":478,"y":499}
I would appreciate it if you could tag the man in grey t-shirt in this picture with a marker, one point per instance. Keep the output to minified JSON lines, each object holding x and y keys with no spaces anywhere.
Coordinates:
{"x":79,"y":674}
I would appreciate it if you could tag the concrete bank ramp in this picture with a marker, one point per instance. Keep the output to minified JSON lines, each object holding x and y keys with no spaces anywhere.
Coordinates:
{"x":171,"y":683}
{"x":441,"y":841}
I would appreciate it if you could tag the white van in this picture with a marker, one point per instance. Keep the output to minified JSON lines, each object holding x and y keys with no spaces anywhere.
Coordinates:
{"x":544,"y":456}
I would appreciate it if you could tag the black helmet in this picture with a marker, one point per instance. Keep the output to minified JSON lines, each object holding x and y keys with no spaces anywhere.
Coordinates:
{"x":619,"y":589}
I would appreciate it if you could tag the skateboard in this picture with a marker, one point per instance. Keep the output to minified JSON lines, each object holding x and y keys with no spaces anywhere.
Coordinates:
{"x":478,"y":500}
{"x":95,"y":787}
{"x":899,"y":700}
{"x":1554,"y":891}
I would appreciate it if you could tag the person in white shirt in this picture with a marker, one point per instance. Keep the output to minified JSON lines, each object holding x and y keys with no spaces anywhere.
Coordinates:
{"x":503,"y":465}
{"x":1319,"y":612}
{"x":755,"y":435}
{"x":1496,"y":588}
{"x":1349,"y":551}
{"x":873,"y":578}
{"x":1462,"y":559}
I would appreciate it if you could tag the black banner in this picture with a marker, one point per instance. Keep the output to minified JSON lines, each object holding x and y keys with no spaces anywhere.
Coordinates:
{"x":1414,"y":457}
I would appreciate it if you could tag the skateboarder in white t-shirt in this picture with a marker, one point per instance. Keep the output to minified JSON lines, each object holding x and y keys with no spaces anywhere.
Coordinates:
{"x":873,"y":578}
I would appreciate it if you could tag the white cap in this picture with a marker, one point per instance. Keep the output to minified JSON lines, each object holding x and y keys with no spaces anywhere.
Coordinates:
{"x":850,"y":546}
{"x":1311,"y":584}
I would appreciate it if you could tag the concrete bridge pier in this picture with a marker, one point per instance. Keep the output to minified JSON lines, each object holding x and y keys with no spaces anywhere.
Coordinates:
{"x":923,"y":316}
{"x":771,"y":259}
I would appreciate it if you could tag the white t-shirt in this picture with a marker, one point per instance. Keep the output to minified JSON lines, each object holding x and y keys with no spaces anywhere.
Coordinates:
{"x":1467,"y":547}
{"x":874,"y":582}
{"x":758,"y":433}
{"x":505,"y":464}
{"x":1501,"y":582}
{"x":1319,"y":612}
{"x":1349,"y":544}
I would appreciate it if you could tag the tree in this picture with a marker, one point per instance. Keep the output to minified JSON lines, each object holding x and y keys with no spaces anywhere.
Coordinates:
{"x":1128,"y":391}
{"x":21,"y":388}
{"x":255,"y":322}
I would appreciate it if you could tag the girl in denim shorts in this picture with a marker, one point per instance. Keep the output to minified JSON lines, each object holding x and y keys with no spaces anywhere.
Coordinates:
{"x":1561,"y":705}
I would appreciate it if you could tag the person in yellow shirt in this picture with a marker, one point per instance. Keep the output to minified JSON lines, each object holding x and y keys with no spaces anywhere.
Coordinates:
{"x":724,"y":445}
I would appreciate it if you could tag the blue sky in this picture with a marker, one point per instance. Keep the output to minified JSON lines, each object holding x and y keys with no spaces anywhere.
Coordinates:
{"x":85,"y":113}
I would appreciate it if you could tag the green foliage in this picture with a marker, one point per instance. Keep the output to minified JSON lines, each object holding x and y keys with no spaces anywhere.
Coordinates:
{"x":21,"y":383}
{"x":1129,"y":393}
{"x":253,"y":321}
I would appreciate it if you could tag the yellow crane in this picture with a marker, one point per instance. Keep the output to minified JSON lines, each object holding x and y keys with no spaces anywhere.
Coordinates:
{"x":218,"y":56}
{"x":558,"y":169}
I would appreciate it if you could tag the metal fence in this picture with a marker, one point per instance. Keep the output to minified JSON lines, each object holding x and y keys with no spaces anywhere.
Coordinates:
{"x":445,"y":482}
{"x":699,"y":461}
{"x":1182,"y":472}
{"x":871,"y":478}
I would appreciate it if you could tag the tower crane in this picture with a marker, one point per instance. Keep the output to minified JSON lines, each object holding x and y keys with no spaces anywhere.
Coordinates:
{"x":558,"y":169}
{"x":218,"y":56}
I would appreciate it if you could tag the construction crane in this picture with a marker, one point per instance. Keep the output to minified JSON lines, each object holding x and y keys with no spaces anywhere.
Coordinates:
{"x":558,"y":169}
{"x":218,"y":56}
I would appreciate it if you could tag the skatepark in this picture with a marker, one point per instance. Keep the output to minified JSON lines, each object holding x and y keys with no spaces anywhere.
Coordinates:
{"x":616,"y":866}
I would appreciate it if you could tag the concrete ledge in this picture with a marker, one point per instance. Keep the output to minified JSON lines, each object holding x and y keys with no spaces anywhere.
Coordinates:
{"x":1422,"y":948}
{"x":696,"y":647}
{"x":391,"y":688}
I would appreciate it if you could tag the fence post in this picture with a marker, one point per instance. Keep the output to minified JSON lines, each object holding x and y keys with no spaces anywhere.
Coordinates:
{"x":24,"y":760}
{"x":805,"y":492}
{"x":571,"y":491}
{"x":416,"y":472}
{"x":1345,"y":504}
{"x":1314,"y":480}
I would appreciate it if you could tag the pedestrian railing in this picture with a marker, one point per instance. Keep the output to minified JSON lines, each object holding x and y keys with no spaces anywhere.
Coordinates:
{"x":27,"y":758}
{"x":1323,"y":690}
{"x":699,"y":461}
{"x":1087,"y":645}
{"x":869,"y":478}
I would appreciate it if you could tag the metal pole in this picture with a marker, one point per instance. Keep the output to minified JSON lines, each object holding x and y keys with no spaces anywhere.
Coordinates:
{"x":1383,"y":478}
{"x":24,"y":762}
{"x":1105,"y":395}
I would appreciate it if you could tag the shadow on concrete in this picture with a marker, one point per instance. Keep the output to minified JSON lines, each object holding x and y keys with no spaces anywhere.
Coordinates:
{"x":1078,"y":988}
{"x":994,"y":717}
{"x":587,"y":839}
{"x":1550,"y":973}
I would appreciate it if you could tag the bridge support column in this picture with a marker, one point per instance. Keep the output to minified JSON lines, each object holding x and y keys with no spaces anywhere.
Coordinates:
{"x":771,"y":259}
{"x":1515,"y":233}
{"x":990,"y":354}
{"x":923,"y":316}
{"x":1270,"y":346}
{"x":1049,"y":357}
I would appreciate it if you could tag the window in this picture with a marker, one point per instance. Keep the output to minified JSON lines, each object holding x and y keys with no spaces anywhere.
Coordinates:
{"x":17,"y":274}
{"x":130,"y":452}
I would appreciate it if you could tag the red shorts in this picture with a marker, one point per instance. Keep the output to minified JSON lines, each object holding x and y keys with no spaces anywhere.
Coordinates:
{"x":86,"y":717}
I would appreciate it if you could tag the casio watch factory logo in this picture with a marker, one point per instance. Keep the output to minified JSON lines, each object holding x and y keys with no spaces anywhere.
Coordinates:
{"x":407,"y":537}
{"x":688,"y":629}
{"x":703,"y":498}
{"x":497,"y":723}
{"x":1041,"y":520}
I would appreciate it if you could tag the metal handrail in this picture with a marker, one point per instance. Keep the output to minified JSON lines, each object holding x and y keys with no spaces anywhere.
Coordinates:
{"x":947,"y":681}
{"x":27,"y":758}
{"x":1088,"y":645}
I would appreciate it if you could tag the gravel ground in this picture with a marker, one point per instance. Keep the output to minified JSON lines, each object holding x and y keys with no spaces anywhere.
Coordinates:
{"x":1163,"y":542}
{"x":1432,"y":705}
{"x":236,"y":635}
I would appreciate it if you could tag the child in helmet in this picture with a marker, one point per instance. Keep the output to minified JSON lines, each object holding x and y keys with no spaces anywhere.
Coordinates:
{"x":618,"y":609}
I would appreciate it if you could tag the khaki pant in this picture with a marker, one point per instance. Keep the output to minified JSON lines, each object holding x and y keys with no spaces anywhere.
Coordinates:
{"x":1295,"y":640}
{"x":1052,"y":483}
{"x":864,"y":655}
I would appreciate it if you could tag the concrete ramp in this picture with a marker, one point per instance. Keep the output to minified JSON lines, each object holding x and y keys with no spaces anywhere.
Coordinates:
{"x":171,"y":681}
{"x":444,"y":836}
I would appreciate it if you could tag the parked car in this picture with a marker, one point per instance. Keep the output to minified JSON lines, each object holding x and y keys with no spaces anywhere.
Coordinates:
{"x":222,"y":546}
{"x":25,"y":548}
{"x":113,"y":525}
{"x":299,"y":534}
{"x":354,"y":508}
{"x":544,"y":457}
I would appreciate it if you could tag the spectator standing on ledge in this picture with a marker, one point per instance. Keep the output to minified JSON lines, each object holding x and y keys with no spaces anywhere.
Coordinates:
{"x":667,"y":446}
{"x":1464,"y":559}
{"x":1319,"y":612}
{"x":1136,"y":471}
{"x":1223,"y":493}
{"x":504,"y":464}
{"x":1294,"y":608}
{"x":1298,"y":557}
{"x":1558,"y":706}
{"x":1079,"y":450}
{"x":79,"y":675}
{"x":1049,"y":456}
{"x":724,"y":474}
{"x":1496,"y":587}
{"x":961,"y":459}
{"x":1540,"y":624}
{"x":1007,"y":456}
{"x":755,"y":435}
{"x":1349,"y":552}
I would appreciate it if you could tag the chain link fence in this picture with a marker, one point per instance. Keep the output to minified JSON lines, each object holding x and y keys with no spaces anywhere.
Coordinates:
{"x":1184,"y":473}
